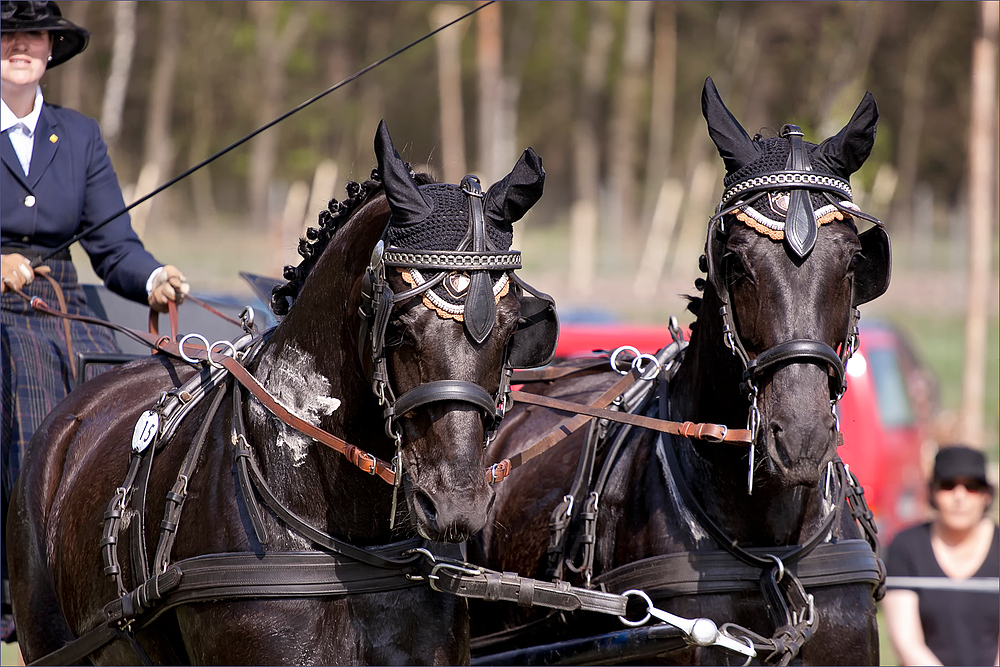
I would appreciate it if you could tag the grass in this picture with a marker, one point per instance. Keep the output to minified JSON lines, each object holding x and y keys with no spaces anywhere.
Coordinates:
{"x":9,"y":655}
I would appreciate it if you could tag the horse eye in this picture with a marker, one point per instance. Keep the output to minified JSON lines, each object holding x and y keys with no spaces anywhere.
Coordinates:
{"x":735,"y":268}
{"x":395,"y":333}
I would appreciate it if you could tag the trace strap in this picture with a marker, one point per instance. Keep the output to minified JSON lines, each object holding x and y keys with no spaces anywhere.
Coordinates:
{"x":707,"y":432}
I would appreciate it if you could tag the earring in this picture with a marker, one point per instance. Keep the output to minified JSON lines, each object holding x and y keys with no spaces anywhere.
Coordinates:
{"x":50,"y":58}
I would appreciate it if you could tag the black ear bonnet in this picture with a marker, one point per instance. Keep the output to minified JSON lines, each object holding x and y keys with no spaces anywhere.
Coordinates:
{"x":452,"y":244}
{"x":785,"y":187}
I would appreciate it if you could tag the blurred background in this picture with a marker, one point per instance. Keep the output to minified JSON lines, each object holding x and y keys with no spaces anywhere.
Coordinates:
{"x":609,"y":94}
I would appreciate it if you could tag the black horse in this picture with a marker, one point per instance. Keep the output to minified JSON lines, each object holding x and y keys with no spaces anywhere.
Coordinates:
{"x":625,"y":508}
{"x":431,"y":319}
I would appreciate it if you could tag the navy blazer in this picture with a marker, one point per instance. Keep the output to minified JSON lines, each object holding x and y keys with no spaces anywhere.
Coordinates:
{"x":70,"y":188}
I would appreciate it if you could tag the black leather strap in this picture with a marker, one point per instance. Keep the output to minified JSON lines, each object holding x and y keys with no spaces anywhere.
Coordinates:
{"x":443,"y":390}
{"x":798,"y":350}
{"x":717,"y":571}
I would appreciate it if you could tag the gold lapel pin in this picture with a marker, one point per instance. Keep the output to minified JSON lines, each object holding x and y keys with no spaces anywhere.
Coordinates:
{"x":53,"y":138}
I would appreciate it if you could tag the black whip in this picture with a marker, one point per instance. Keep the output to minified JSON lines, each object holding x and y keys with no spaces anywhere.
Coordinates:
{"x":253,"y":134}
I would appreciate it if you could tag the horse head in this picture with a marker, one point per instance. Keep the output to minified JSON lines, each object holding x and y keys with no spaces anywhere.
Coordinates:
{"x":789,"y":268}
{"x":448,"y":320}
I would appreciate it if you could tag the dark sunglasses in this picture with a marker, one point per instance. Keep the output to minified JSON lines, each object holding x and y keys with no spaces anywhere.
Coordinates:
{"x":971,"y":485}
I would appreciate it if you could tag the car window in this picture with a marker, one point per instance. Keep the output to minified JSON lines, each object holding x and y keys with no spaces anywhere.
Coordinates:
{"x":890,"y":388}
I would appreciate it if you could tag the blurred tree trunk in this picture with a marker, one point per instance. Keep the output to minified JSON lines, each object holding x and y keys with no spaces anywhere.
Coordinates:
{"x":123,"y":50}
{"x":158,"y":153}
{"x":489,"y":63}
{"x":449,"y":61}
{"x":74,"y":76}
{"x":203,"y":118}
{"x":560,"y":86}
{"x":274,"y":45}
{"x":921,"y":51}
{"x":982,"y":217}
{"x":379,"y":30}
{"x":623,"y":148}
{"x":517,"y":53}
{"x":661,"y":117}
{"x":587,"y":152}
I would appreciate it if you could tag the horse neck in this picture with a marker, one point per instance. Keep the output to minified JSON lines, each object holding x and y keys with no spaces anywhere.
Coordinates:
{"x":706,"y":388}
{"x":309,"y":364}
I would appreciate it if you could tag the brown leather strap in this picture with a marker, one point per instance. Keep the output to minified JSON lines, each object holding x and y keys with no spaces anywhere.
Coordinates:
{"x":558,"y":371}
{"x":566,"y":427}
{"x":707,"y":432}
{"x":362,"y":459}
{"x":61,"y":298}
{"x":154,"y":321}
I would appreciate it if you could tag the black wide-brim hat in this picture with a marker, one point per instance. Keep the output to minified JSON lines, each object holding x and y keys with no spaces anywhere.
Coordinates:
{"x":960,"y":462}
{"x":68,"y":39}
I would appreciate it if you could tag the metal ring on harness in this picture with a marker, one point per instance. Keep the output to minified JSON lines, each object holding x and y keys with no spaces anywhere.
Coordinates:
{"x":184,"y":339}
{"x":224,"y":343}
{"x":649,"y":604}
{"x":651,"y":371}
{"x":614,"y":357}
{"x":780,"y":564}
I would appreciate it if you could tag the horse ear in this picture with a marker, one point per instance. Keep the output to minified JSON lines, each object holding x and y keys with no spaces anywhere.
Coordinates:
{"x":509,"y":199}
{"x":407,"y":204}
{"x":735,"y":145}
{"x":845,"y":152}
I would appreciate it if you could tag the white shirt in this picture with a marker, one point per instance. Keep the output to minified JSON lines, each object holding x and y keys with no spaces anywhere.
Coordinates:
{"x":22,"y":138}
{"x":22,"y":130}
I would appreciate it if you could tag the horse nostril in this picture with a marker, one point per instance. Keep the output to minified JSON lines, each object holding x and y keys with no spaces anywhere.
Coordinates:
{"x":427,"y":506}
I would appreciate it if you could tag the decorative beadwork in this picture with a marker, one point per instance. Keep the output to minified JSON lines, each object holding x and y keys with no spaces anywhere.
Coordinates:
{"x":789,"y":179}
{"x":444,"y":309}
{"x":775,"y":229}
{"x":454,"y":260}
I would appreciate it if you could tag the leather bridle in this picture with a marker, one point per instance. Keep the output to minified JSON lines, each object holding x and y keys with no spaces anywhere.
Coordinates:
{"x":378,"y":300}
{"x":800,"y":180}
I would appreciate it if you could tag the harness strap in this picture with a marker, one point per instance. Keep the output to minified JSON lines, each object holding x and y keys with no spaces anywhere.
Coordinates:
{"x":244,"y":576}
{"x":61,"y":298}
{"x":511,"y":587}
{"x":174,"y":504}
{"x":443,"y":390}
{"x":717,"y":571}
{"x":568,"y":426}
{"x":557,"y":372}
{"x":367,"y":462}
{"x":706,"y":432}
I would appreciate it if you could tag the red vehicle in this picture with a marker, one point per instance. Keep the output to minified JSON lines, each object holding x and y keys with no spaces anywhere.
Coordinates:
{"x":884,"y":415}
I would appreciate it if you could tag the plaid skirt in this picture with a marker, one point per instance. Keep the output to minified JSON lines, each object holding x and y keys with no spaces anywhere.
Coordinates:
{"x":36,"y":372}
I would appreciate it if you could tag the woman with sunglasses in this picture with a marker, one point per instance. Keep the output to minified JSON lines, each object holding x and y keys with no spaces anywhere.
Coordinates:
{"x":943,"y":602}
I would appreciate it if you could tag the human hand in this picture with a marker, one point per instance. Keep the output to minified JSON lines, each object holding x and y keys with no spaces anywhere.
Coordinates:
{"x":16,"y":272}
{"x":168,"y":285}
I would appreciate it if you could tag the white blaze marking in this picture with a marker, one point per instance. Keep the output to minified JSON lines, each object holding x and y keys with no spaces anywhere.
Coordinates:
{"x":294,"y":383}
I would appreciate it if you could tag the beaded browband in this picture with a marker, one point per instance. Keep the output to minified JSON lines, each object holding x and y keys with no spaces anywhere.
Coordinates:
{"x":789,"y":179}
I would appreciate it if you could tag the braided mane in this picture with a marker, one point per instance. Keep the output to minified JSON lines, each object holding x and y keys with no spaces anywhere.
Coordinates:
{"x":331,"y":219}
